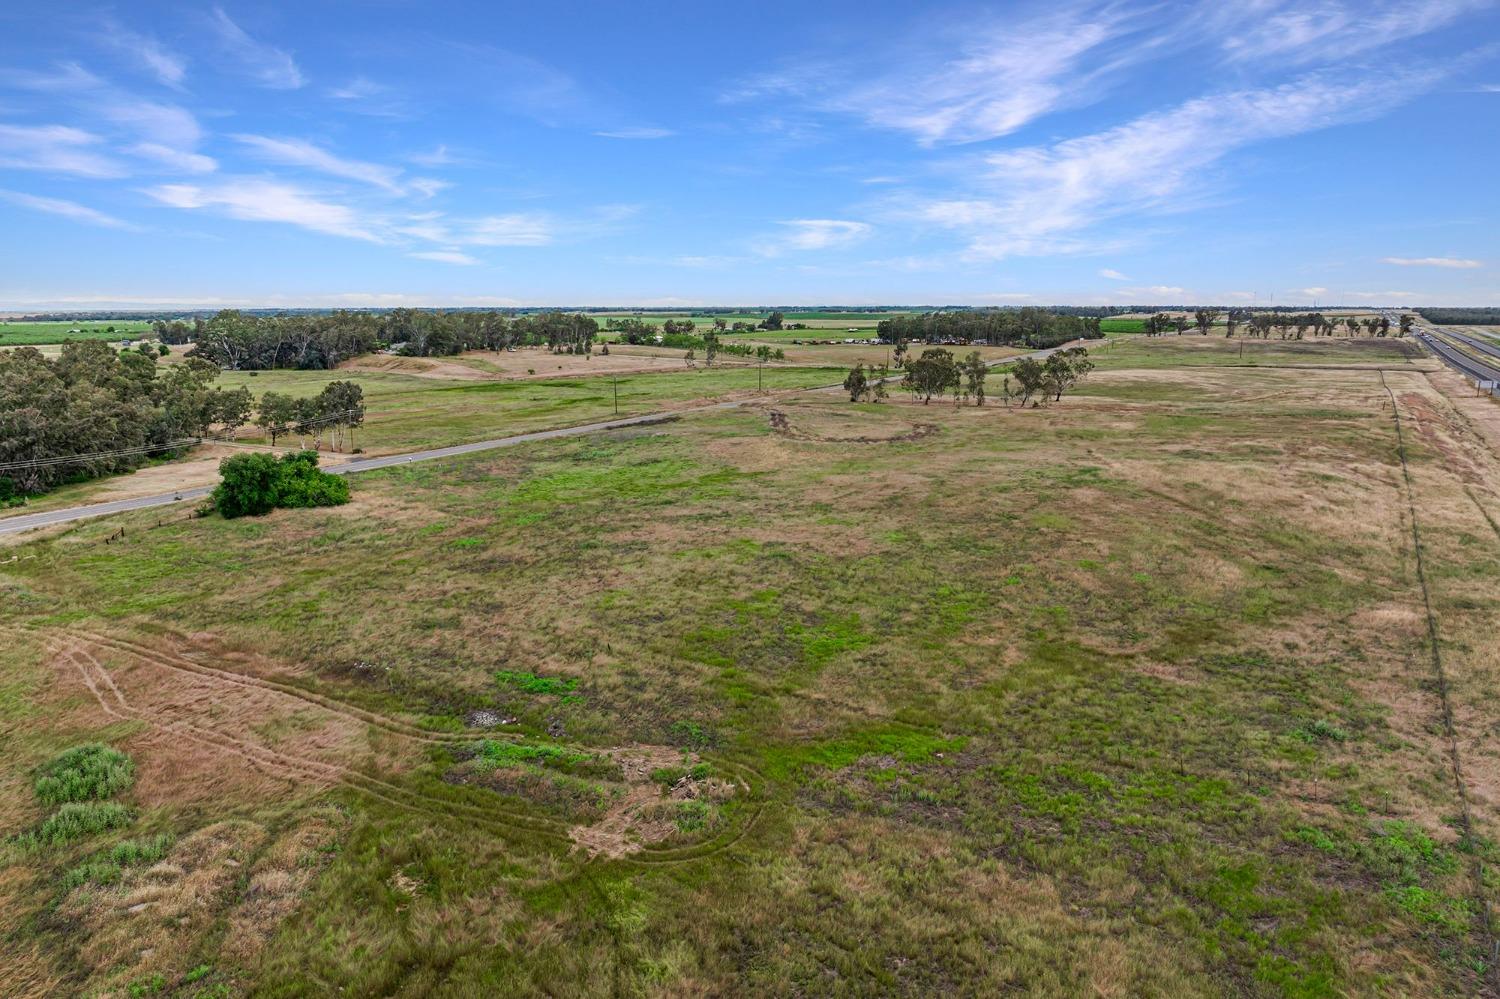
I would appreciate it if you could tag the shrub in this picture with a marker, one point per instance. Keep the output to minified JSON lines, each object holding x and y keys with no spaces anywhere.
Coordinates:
{"x":252,"y":485}
{"x":247,"y":485}
{"x":83,"y":773}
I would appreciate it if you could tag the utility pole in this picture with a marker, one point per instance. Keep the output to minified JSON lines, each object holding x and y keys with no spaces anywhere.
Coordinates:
{"x":615,"y":384}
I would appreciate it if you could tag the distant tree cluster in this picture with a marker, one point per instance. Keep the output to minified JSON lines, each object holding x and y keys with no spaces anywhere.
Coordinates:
{"x":244,"y":341}
{"x":252,"y":485}
{"x":1286,"y":325}
{"x":95,"y":412}
{"x":1462,"y":317}
{"x":1032,"y":327}
{"x":937,"y":372}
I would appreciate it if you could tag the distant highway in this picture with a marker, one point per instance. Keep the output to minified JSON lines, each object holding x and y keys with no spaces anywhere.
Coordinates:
{"x":1482,"y":344}
{"x":1467,"y":365}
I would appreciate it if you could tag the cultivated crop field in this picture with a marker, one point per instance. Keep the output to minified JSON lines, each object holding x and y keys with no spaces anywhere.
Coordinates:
{"x":18,"y":334}
{"x":1130,"y":695}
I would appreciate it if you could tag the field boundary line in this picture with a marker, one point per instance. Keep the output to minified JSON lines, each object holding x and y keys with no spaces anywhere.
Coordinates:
{"x":1492,"y":971}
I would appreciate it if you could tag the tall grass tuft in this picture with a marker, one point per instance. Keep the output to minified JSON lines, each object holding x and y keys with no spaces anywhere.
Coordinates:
{"x":78,"y":819}
{"x":85,"y":773}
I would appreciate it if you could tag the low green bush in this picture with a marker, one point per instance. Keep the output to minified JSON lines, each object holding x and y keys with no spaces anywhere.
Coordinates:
{"x":252,"y":485}
{"x":85,"y":773}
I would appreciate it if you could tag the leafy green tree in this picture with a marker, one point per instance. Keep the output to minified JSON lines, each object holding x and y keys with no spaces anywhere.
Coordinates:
{"x":934,"y":373}
{"x":1030,"y":376}
{"x":856,"y":383}
{"x":975,"y":371}
{"x":774,"y":321}
{"x":1063,"y":369}
{"x":248,"y":485}
{"x":232,"y":409}
{"x":252,"y":485}
{"x":277,"y":414}
{"x":1205,"y":318}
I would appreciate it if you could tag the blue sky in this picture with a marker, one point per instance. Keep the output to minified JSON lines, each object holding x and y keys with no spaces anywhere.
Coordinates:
{"x":388,"y":153}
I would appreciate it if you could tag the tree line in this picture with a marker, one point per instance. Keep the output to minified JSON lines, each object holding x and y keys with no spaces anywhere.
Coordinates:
{"x":1287,"y":325}
{"x":93,"y":411}
{"x":245,"y":341}
{"x":1031,"y":327}
{"x":937,"y":372}
{"x":1462,"y":317}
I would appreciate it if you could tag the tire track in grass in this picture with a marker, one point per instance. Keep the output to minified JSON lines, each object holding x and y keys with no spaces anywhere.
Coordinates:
{"x":260,"y":758}
{"x":646,"y":856}
{"x":1492,"y":946}
{"x":305,"y":767}
{"x":181,"y":663}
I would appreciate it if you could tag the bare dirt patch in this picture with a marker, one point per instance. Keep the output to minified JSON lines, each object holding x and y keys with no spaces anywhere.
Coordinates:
{"x":643,"y":814}
{"x":833,"y":427}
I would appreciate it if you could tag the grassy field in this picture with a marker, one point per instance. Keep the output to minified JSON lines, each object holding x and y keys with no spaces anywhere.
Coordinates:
{"x":1131,"y":695}
{"x":1215,"y":350}
{"x":17,"y":334}
{"x":406,"y":412}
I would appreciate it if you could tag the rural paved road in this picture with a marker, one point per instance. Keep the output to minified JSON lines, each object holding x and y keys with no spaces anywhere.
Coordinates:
{"x":26,"y":522}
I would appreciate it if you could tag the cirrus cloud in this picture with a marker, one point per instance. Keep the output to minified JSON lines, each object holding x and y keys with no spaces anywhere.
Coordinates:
{"x":1455,"y":263}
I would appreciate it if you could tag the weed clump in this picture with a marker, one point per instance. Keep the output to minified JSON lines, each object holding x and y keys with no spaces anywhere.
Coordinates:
{"x":1320,"y":730}
{"x":78,"y":819}
{"x":530,"y":683}
{"x":107,"y":867}
{"x":84,"y":773}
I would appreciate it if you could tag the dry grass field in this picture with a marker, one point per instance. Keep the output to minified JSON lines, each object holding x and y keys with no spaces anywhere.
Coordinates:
{"x":1186,"y":685}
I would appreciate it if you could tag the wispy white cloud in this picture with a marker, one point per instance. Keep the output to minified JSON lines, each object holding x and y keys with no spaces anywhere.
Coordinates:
{"x":358,"y":89}
{"x":440,"y":156}
{"x":1454,"y":263}
{"x":519,"y":229}
{"x":1159,"y":292}
{"x":1302,"y":31}
{"x":636,"y":133}
{"x":270,"y":66}
{"x":1039,"y":199}
{"x":179,"y":160}
{"x":64,"y":78}
{"x":164,"y":133}
{"x":301,"y":153}
{"x":67,"y":209}
{"x":255,"y":199}
{"x":445,"y":257}
{"x":978,"y":80}
{"x":56,"y":149}
{"x":167,"y":66}
{"x":1112,"y":274}
{"x":812,"y":234}
{"x":164,"y":124}
{"x":1314,"y":292}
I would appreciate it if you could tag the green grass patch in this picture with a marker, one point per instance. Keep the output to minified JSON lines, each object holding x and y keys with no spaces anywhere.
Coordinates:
{"x":530,"y":683}
{"x":84,"y":773}
{"x":77,"y":820}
